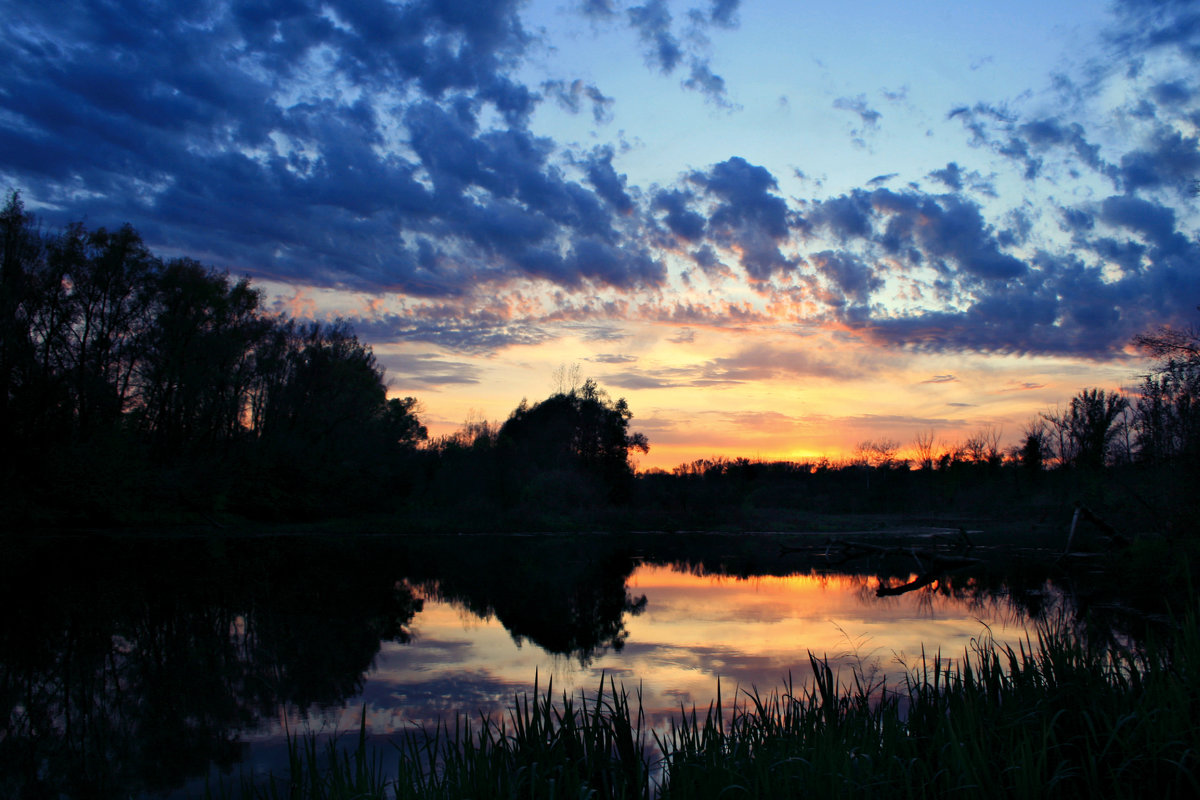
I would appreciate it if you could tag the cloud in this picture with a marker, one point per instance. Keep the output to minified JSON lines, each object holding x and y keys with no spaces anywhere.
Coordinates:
{"x":723,"y":13}
{"x":941,"y":379}
{"x":613,"y":358}
{"x":571,"y":96}
{"x":712,"y":86}
{"x":605,"y":180}
{"x":858,"y":105}
{"x":598,"y":9}
{"x":1147,"y":26}
{"x":663,"y":49}
{"x":947,"y":227}
{"x":765,"y":362}
{"x":1167,"y":158}
{"x":653,"y":24}
{"x":1155,"y":222}
{"x":640,"y":380}
{"x":274,"y":144}
{"x":747,"y":215}
{"x":951,"y":176}
{"x":852,"y":277}
{"x":681,"y":220}
{"x":479,"y":331}
{"x":388,"y":148}
{"x":683,"y":336}
{"x":427,"y":370}
{"x":750,"y":364}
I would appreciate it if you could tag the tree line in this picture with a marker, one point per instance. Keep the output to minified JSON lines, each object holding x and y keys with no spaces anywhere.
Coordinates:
{"x":140,"y":387}
{"x":133,"y":385}
{"x":1133,"y":456}
{"x":132,"y":382}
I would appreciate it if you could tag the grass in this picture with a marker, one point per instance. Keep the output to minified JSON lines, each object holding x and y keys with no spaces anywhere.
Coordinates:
{"x":1055,"y":717}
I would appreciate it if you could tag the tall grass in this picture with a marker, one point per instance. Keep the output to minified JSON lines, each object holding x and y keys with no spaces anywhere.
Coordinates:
{"x":1055,"y":717}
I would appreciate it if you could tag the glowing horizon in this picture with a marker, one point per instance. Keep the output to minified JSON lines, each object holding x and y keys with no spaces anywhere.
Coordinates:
{"x":777,"y":229}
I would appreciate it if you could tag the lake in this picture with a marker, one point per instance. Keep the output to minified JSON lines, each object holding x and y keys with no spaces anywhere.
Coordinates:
{"x":138,"y":666}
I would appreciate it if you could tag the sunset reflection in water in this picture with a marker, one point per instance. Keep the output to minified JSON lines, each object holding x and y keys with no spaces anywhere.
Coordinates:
{"x":694,"y":630}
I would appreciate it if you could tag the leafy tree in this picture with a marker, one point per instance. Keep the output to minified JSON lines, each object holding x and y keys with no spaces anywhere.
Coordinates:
{"x":124,"y":375}
{"x":111,"y":277}
{"x":324,"y":426}
{"x":400,"y":424}
{"x":581,"y":432}
{"x":1035,"y":447}
{"x":22,"y":254}
{"x":197,"y":363}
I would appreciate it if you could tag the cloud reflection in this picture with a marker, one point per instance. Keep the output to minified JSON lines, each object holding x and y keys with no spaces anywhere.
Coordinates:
{"x":696,"y":630}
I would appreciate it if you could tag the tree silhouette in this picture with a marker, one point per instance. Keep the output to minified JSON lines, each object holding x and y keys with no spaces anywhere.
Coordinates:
{"x":127,"y":380}
{"x":1167,"y":412}
{"x":198,"y":359}
{"x":580,"y":433}
{"x":1087,"y":428}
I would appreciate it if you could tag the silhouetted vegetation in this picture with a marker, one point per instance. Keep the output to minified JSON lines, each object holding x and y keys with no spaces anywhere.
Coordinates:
{"x":138,"y":389}
{"x":161,"y":652}
{"x":1059,"y":717}
{"x":135,"y":387}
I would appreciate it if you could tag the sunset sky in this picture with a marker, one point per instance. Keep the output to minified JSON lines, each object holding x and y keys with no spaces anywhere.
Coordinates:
{"x":778,"y":229}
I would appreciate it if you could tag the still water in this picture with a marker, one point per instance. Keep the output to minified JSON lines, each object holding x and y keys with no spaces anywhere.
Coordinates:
{"x":138,"y":667}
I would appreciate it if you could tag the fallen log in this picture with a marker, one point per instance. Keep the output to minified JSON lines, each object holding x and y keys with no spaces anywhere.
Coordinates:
{"x":941,"y":566}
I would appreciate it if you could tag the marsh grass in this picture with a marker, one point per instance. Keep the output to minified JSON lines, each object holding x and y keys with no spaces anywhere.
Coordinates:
{"x":1054,"y":717}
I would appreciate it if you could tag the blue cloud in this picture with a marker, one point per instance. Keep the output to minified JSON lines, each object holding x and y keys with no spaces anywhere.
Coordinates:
{"x":264,"y":138}
{"x":653,"y":24}
{"x":682,"y":221}
{"x":747,"y":215}
{"x":712,"y":86}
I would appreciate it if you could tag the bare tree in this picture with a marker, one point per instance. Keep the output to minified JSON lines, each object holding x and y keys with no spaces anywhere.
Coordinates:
{"x":877,"y":452}
{"x":983,"y":446}
{"x":1166,"y":419}
{"x":1087,"y":428}
{"x":567,"y":379}
{"x":923,"y":448}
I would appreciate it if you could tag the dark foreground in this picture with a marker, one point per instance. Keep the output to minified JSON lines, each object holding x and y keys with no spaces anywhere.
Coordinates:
{"x":1057,"y":718}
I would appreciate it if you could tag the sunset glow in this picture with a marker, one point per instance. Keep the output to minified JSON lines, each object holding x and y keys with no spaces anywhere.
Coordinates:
{"x":777,"y":229}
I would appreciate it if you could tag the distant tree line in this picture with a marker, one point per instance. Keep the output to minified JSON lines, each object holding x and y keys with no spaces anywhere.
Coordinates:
{"x":1136,"y":458}
{"x":135,"y":388}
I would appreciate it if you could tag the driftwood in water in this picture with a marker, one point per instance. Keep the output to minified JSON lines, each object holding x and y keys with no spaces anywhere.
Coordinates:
{"x":941,"y":565}
{"x":931,"y":563}
{"x":1081,"y":511}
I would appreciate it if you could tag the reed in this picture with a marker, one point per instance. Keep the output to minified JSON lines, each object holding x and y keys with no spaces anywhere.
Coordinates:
{"x":1054,"y":717}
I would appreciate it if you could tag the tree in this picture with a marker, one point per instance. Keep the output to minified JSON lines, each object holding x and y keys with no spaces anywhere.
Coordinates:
{"x":983,"y":446}
{"x":1087,"y":428}
{"x":581,"y":431}
{"x":21,"y":256}
{"x":400,"y":424}
{"x":1035,"y":446}
{"x":1167,"y":411}
{"x":110,"y":275}
{"x":197,"y":358}
{"x":923,"y":447}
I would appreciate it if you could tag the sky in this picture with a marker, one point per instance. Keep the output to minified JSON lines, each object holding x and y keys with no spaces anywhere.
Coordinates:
{"x":777,"y":229}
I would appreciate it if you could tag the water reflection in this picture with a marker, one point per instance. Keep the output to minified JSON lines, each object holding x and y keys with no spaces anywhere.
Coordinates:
{"x":133,"y":667}
{"x":127,"y":667}
{"x":694,"y":630}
